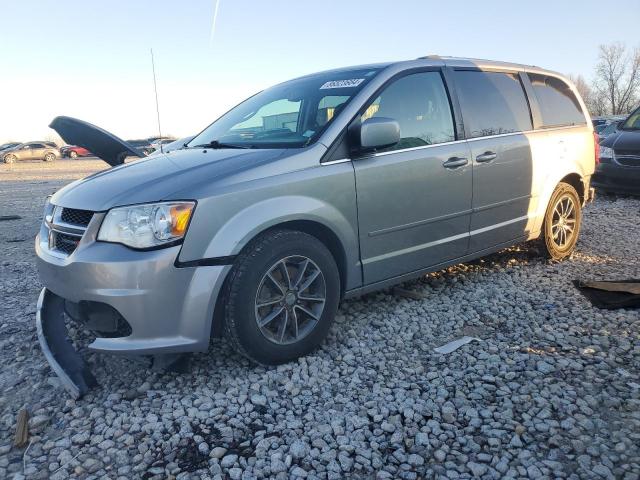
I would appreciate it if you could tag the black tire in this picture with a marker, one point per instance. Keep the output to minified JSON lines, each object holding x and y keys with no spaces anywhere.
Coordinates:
{"x":9,"y":158}
{"x":49,"y":157}
{"x":246,"y":281}
{"x":559,"y":243}
{"x":73,"y":155}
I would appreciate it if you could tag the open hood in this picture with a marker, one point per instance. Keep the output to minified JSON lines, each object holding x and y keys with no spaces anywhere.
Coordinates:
{"x":101,"y":143}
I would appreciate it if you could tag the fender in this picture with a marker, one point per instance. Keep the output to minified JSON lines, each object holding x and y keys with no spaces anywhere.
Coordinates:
{"x":246,"y":224}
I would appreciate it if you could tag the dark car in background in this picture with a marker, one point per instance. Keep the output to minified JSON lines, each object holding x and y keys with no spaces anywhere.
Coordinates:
{"x":7,"y":146}
{"x":142,"y":145}
{"x":619,"y":166}
{"x":609,"y":129}
{"x":74,"y":151}
{"x":31,"y":151}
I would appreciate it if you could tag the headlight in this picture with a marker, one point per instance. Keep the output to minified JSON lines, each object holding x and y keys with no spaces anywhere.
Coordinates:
{"x":48,"y":210}
{"x":147,"y":226}
{"x":606,"y":152}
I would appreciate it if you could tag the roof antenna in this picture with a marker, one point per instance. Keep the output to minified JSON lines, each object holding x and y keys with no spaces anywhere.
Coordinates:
{"x":155,"y":87}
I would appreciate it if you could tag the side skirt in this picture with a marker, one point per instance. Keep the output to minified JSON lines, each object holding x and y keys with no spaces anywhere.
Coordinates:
{"x":434,"y":268}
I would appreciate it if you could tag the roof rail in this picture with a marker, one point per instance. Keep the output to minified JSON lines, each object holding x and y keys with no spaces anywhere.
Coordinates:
{"x":430,"y":57}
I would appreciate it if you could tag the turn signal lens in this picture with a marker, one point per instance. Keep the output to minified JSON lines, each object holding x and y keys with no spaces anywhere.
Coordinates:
{"x":180,"y":216}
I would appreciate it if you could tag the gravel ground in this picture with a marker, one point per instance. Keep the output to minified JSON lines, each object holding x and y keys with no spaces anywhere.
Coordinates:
{"x":553,"y":390}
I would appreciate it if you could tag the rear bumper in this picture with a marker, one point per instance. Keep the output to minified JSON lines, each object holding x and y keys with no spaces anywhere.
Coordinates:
{"x":614,"y":178}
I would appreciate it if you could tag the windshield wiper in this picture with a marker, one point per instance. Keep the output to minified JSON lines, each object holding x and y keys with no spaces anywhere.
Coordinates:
{"x":217,"y":144}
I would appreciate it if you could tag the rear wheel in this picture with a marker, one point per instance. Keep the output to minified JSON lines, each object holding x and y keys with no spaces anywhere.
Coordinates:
{"x":73,"y":154}
{"x":49,"y":157}
{"x":562,"y":222}
{"x":282,"y":296}
{"x":10,"y":158}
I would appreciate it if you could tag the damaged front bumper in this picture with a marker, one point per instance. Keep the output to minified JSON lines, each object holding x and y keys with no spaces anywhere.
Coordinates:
{"x":132,"y":302}
{"x":63,"y":358}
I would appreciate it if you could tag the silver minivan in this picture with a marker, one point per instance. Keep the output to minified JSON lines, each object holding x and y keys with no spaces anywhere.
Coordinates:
{"x":320,"y":188}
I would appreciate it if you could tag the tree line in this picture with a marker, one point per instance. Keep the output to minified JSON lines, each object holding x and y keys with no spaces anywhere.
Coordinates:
{"x":615,"y":88}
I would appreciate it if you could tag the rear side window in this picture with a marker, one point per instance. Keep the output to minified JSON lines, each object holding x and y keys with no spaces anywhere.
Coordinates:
{"x":493,"y":103}
{"x":420,"y":104}
{"x":558,"y":105}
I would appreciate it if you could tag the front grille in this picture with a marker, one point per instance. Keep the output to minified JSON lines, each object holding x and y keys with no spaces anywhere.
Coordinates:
{"x":65,"y":227}
{"x":63,"y":243}
{"x":76,"y":217}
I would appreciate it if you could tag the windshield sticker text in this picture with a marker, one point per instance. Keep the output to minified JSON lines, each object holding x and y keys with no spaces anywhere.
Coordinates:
{"x":354,"y":82}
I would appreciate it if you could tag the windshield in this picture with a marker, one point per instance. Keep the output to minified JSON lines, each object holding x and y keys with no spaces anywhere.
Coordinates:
{"x":633,"y":122}
{"x":289,"y":115}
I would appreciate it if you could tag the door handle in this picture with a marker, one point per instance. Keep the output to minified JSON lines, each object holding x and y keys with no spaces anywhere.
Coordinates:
{"x":455,"y":162}
{"x":486,"y":157}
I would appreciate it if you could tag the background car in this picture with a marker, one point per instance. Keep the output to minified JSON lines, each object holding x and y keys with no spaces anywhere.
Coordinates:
{"x":161,"y":142}
{"x":619,"y":167}
{"x":142,"y":145}
{"x":6,"y":146}
{"x":74,"y":151}
{"x":608,"y":129}
{"x":31,"y":151}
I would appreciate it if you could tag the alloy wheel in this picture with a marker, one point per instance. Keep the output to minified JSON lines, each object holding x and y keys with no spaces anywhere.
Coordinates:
{"x":563,"y":223}
{"x":290,"y":300}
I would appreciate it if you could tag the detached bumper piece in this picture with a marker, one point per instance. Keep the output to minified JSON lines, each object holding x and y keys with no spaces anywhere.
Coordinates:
{"x":58,"y":349}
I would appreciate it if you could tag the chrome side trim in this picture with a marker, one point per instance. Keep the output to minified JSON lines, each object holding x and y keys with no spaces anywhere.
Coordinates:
{"x":474,"y":139}
{"x":452,"y":238}
{"x":335,"y":162}
{"x":411,"y":149}
{"x":498,"y":225}
{"x":419,"y":223}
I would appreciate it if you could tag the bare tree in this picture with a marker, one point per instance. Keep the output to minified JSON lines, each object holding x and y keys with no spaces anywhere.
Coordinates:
{"x":590,"y":96}
{"x":617,"y":77}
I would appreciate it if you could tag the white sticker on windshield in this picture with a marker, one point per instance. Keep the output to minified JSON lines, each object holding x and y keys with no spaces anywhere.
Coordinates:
{"x":354,"y":82}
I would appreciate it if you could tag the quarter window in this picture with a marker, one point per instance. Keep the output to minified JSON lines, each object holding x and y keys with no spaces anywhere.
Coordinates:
{"x":419,"y":103}
{"x":493,"y":103}
{"x":558,"y":105}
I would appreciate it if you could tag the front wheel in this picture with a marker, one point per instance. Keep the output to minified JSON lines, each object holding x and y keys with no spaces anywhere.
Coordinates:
{"x":10,"y":158}
{"x":562,"y":222}
{"x":281,"y":298}
{"x":73,"y":155}
{"x":49,"y":157}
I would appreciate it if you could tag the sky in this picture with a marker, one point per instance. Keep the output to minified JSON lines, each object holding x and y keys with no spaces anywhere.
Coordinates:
{"x":91,"y":59}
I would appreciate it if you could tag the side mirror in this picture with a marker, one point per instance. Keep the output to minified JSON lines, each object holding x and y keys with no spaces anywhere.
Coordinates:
{"x":378,"y":132}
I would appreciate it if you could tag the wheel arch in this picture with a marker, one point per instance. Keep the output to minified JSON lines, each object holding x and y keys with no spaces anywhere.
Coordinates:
{"x":576,"y":181}
{"x":317,"y":230}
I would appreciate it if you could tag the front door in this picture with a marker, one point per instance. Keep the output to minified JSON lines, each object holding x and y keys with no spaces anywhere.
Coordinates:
{"x":495,"y":113}
{"x":25,"y":152}
{"x":37,"y":151}
{"x":414,"y":198}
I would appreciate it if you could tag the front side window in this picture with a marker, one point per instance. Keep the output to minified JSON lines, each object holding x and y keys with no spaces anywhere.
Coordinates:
{"x":420,"y":104}
{"x":558,"y":105}
{"x":493,"y":103}
{"x":289,"y":115}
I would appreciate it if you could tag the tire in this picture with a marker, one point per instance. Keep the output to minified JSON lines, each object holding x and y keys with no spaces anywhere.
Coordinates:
{"x":73,"y":155}
{"x":10,"y":158}
{"x":562,"y":222}
{"x":253,"y":295}
{"x":49,"y":157}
